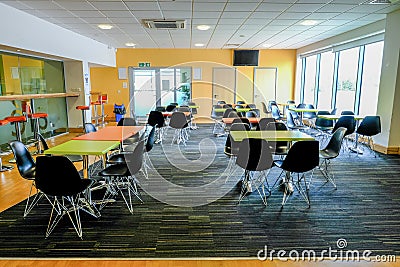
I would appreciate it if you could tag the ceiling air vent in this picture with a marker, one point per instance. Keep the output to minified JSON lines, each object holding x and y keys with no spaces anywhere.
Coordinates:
{"x":165,"y":24}
{"x":379,"y":2}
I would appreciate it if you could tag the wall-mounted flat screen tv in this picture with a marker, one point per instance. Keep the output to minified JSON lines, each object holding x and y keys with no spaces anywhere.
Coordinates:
{"x":245,"y":58}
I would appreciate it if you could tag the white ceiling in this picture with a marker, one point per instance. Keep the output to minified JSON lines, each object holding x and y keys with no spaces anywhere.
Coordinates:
{"x":247,"y":23}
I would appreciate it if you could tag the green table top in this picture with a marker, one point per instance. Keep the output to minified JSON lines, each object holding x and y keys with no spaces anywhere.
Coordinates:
{"x":237,"y":109}
{"x":83,"y":147}
{"x":271,"y":135}
{"x":336,"y":117}
{"x":304,"y":109}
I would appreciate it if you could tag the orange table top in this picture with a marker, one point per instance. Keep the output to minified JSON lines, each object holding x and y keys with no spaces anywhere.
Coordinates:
{"x":230,"y":120}
{"x":111,"y":133}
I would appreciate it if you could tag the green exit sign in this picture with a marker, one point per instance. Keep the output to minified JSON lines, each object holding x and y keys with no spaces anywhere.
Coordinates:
{"x":144,"y":64}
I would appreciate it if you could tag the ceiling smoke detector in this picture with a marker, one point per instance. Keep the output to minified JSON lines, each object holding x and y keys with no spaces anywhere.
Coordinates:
{"x":165,"y":24}
{"x":380,"y":2}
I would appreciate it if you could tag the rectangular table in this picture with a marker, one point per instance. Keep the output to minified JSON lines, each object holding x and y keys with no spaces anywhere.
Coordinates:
{"x":230,"y":120}
{"x":271,"y":135}
{"x":111,"y":133}
{"x":169,"y":114}
{"x":237,"y":109}
{"x":84,"y":148}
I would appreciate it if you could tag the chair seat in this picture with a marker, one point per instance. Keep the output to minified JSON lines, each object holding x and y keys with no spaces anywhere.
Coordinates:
{"x":83,"y":185}
{"x":74,"y":158}
{"x":115,"y":159}
{"x":37,"y":115}
{"x":16,"y":118}
{"x":327,"y":154}
{"x":115,"y":170}
{"x":322,"y":128}
{"x":4,"y":122}
{"x":83,"y":107}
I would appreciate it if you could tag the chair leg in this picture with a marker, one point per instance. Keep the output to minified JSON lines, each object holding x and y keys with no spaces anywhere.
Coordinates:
{"x":326,"y":170}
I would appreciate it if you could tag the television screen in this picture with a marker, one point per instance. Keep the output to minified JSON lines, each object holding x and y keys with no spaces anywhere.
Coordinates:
{"x":245,"y":58}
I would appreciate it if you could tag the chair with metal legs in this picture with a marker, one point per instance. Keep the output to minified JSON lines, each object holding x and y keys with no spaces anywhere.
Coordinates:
{"x":59,"y":180}
{"x":27,"y":169}
{"x":217,"y":116}
{"x":369,"y":127}
{"x":157,"y":119}
{"x":302,"y":157}
{"x":329,"y":152}
{"x":255,"y":155}
{"x":121,"y":177}
{"x":73,"y":158}
{"x":180,"y":123}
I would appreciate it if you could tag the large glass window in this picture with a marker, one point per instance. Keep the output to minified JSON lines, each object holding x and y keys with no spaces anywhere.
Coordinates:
{"x":309,"y":81}
{"x":325,"y":81}
{"x":21,"y":75}
{"x":370,"y":79}
{"x":347,"y":79}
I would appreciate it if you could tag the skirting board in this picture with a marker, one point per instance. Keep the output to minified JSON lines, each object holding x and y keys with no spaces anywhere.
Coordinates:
{"x":392,"y":150}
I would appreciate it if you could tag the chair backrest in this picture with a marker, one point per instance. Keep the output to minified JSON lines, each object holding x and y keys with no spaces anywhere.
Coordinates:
{"x":227,"y":113}
{"x":290,"y":120}
{"x":264,"y":108}
{"x":262,"y":124}
{"x":239,"y":106}
{"x":160,"y":108}
{"x":156,"y":118}
{"x":127,"y":122}
{"x":24,"y":160}
{"x":276,"y":114}
{"x":301,"y":105}
{"x":303,"y":156}
{"x":194,"y":110}
{"x":309,"y":114}
{"x":183,"y":109}
{"x":240,"y":102}
{"x":57,"y":176}
{"x":254,"y":155}
{"x":43,"y":141}
{"x":370,"y":126}
{"x":232,"y":146}
{"x":333,"y":111}
{"x":252,"y":106}
{"x":221,"y":102}
{"x":347,"y":122}
{"x":321,"y":122}
{"x":335,"y":143}
{"x":270,"y":103}
{"x":89,"y":128}
{"x":215,"y":114}
{"x":227,"y":105}
{"x":277,"y":126}
{"x":174,"y":104}
{"x":178,"y":120}
{"x":291,"y":102}
{"x":151,"y":139}
{"x":251,"y":114}
{"x":347,"y":112}
{"x":134,"y":160}
{"x":170,"y":108}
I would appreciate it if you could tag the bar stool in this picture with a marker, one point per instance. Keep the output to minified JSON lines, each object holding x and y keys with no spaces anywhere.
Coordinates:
{"x":16,"y":120}
{"x":83,"y":109}
{"x":36,"y":129}
{"x":4,"y":167}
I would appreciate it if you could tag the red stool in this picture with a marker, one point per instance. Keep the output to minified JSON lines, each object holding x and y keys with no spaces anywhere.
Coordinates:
{"x":4,"y":167}
{"x":17,"y":120}
{"x":83,"y":109}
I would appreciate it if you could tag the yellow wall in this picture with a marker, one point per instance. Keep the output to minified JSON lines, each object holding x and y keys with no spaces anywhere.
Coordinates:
{"x":106,"y":80}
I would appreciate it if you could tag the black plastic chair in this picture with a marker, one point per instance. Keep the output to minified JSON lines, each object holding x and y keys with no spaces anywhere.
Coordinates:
{"x":262,"y":124}
{"x":265,"y":109}
{"x":255,"y":155}
{"x":73,"y":158}
{"x":242,"y":120}
{"x":120,"y":177}
{"x":193,"y":109}
{"x":129,"y":122}
{"x":279,"y":148}
{"x":323,"y":126}
{"x":26,"y":166}
{"x":276,"y":114}
{"x":89,"y":128}
{"x":294,"y":122}
{"x":240,"y":102}
{"x":302,"y":157}
{"x":57,"y":178}
{"x":180,"y":123}
{"x":221,"y":102}
{"x":369,"y":127}
{"x":331,"y":151}
{"x":270,"y":103}
{"x":310,"y":116}
{"x":157,"y":119}
{"x":348,"y":122}
{"x":347,"y":112}
{"x":227,"y":113}
{"x":174,"y":104}
{"x":252,"y":106}
{"x":170,"y":108}
{"x":218,"y":128}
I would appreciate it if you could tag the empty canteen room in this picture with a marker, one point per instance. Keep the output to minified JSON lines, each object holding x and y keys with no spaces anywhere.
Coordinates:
{"x":153,"y":85}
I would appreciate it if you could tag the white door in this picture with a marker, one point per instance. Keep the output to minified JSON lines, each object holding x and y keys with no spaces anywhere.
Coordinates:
{"x":264,"y":85}
{"x":224,"y":85}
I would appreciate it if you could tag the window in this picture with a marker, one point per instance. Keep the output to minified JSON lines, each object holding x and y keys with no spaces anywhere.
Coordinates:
{"x":347,"y":79}
{"x":325,"y":81}
{"x":309,"y":81}
{"x":370,"y":78}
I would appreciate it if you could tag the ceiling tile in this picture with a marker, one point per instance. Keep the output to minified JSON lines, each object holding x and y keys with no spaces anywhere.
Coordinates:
{"x":366,"y":8}
{"x":304,"y":7}
{"x":177,"y":14}
{"x":117,"y":14}
{"x":206,"y":14}
{"x":273,"y":7}
{"x":236,"y":15}
{"x":109,"y":5}
{"x":264,"y":15}
{"x":175,"y":5}
{"x":336,"y":8}
{"x":40,"y":4}
{"x":292,"y":15}
{"x":142,"y":5}
{"x":71,"y":5}
{"x":208,"y":6}
{"x":322,"y":16}
{"x":244,"y":6}
{"x":147,"y":14}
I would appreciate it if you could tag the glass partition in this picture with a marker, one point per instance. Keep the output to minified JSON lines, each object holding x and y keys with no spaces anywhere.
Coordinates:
{"x":22,"y":75}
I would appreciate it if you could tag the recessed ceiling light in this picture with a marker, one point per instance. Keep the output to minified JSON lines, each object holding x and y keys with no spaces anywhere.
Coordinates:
{"x":309,"y":22}
{"x":267,"y":45}
{"x":203,"y":27}
{"x":130,"y":44}
{"x":105,"y":26}
{"x":199,"y":45}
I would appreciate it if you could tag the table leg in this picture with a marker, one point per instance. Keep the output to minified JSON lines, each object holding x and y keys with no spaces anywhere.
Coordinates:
{"x":85,"y":166}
